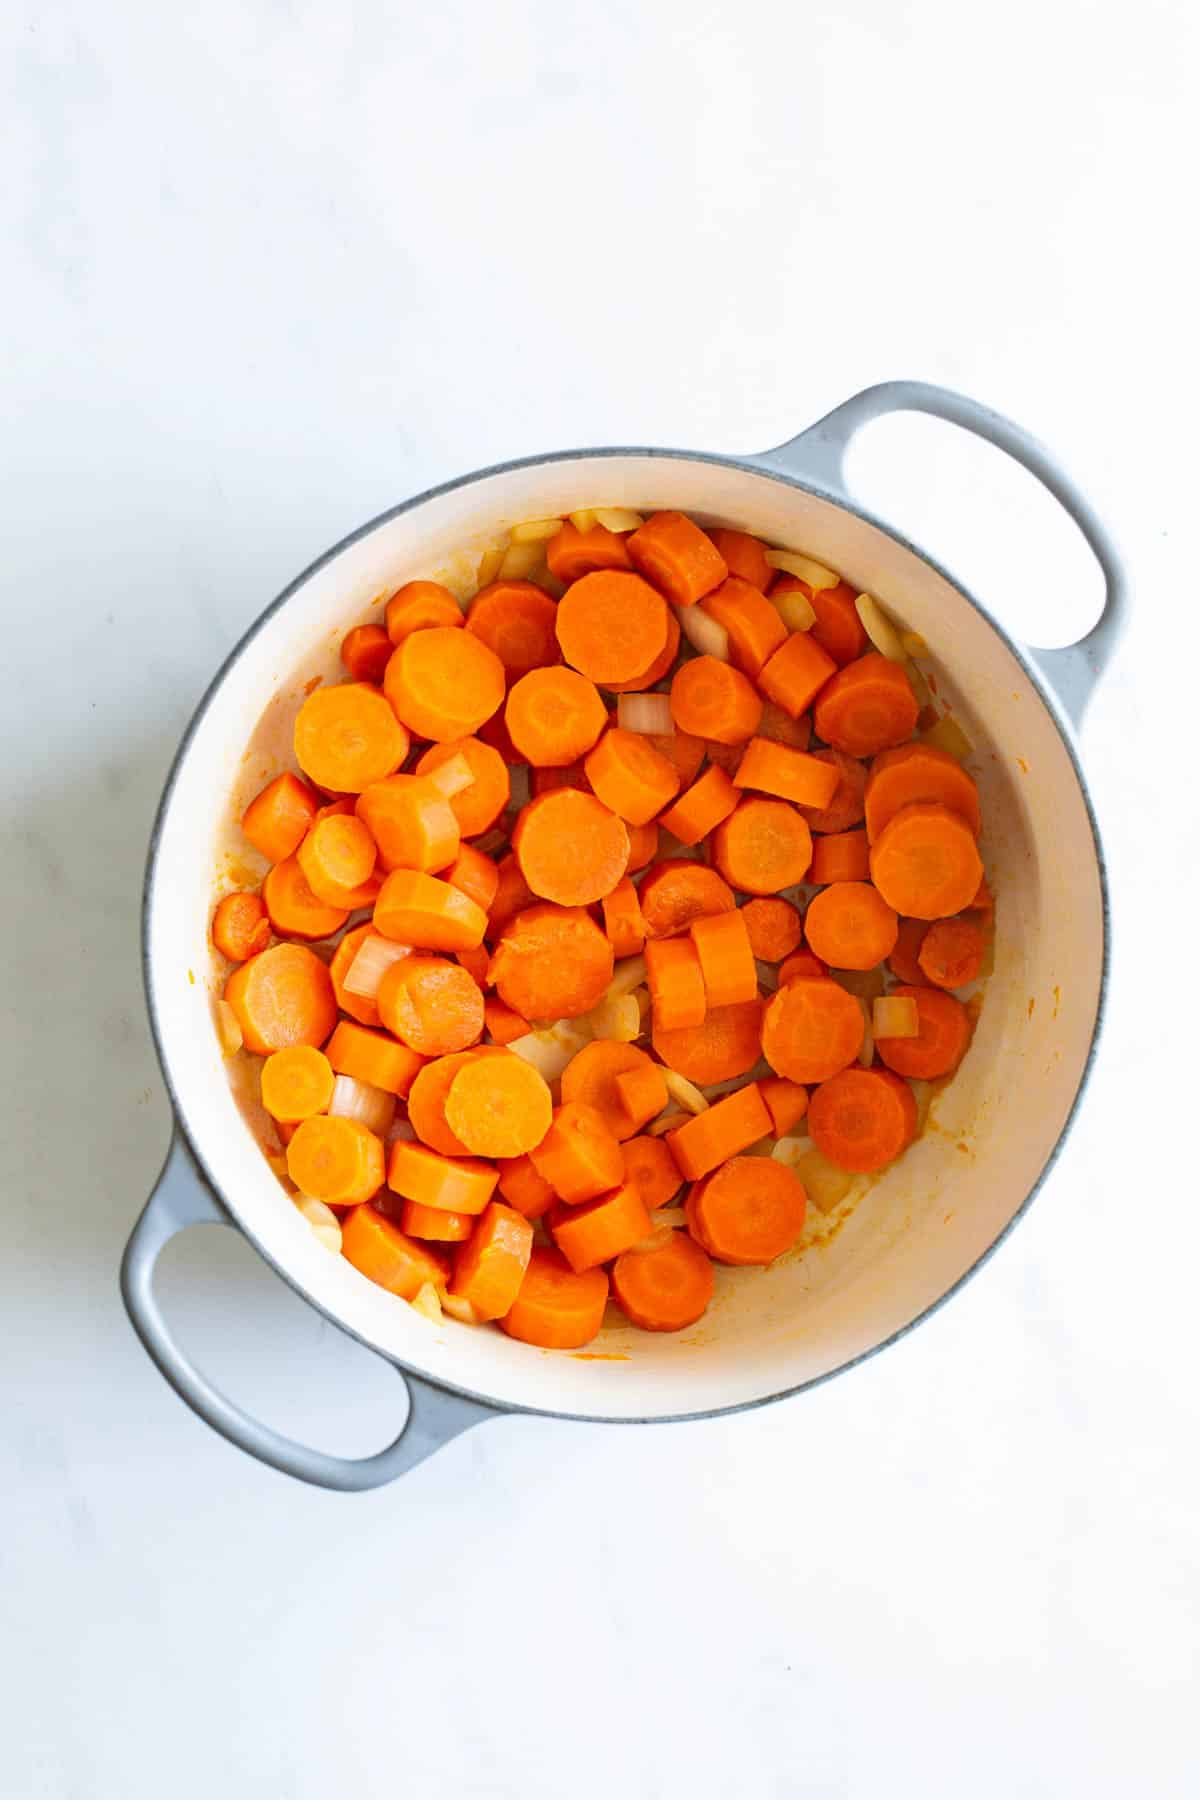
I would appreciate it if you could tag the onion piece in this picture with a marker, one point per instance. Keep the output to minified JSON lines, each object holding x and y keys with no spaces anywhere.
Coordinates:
{"x":657,"y":1239}
{"x":549,"y":584}
{"x":535,"y":531}
{"x":373,"y":959}
{"x":584,"y":519}
{"x":879,"y":628}
{"x":764,"y":1147}
{"x":425,"y":1301}
{"x":826,"y":1185}
{"x":703,"y":632}
{"x":322,"y":1220}
{"x":795,"y":609}
{"x":895,"y":1016}
{"x":519,"y":560}
{"x":371,"y":1106}
{"x":685,"y":1093}
{"x":459,"y":1309}
{"x":628,"y":974}
{"x":228,"y":1029}
{"x":668,"y":1122}
{"x":619,"y":1020}
{"x":551,"y":1048}
{"x":647,"y":714}
{"x":452,"y":776}
{"x":948,"y":735}
{"x":913,"y":644}
{"x":489,"y":567}
{"x":789,"y":1150}
{"x":618,"y":518}
{"x":803,"y":568}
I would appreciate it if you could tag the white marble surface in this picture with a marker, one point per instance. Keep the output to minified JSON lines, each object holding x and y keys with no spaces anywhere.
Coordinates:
{"x":268,"y":268}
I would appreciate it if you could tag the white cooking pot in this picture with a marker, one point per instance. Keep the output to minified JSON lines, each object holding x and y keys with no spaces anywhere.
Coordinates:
{"x":926,"y":1224}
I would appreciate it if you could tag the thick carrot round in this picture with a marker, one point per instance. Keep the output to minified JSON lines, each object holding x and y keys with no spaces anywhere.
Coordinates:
{"x":643,"y":847}
{"x":630,"y":776}
{"x":418,"y":606}
{"x":500,"y":1106}
{"x":836,"y":625}
{"x":781,"y":728}
{"x":554,"y":716}
{"x":747,"y":1212}
{"x":812,"y":1028}
{"x":579,"y":1156}
{"x":596,"y":1231}
{"x":904,"y":961}
{"x":786,"y":1101}
{"x":372,"y":1057}
{"x":699,"y":811}
{"x":502,"y":1024}
{"x":337,"y":859}
{"x":840,"y":856}
{"x":762,"y":847}
{"x":346,"y":737}
{"x":951,"y":952}
{"x":474,"y":875}
{"x":796,"y":673}
{"x":418,"y":909}
{"x":335,"y":1160}
{"x":788,"y":774}
{"x":453,"y":1183}
{"x":444,"y":683}
{"x":552,"y":962}
{"x":850,"y":925}
{"x":845,"y":809}
{"x":570,"y":848}
{"x":918,"y":772}
{"x":925,"y":862}
{"x":662,"y":665}
{"x":296,"y":1083}
{"x":801,"y":962}
{"x":572,"y":553}
{"x":650,"y":1168}
{"x":365,"y":652}
{"x":611,"y":625}
{"x":478,"y":806}
{"x":427,"y":1099}
{"x":590,"y":1078}
{"x":523,"y":1187}
{"x":432,"y":1223}
{"x":411,"y":822}
{"x":754,"y":627}
{"x":867,"y":707}
{"x":513,"y":895}
{"x":728,"y":1043}
{"x":240,"y":926}
{"x":711,"y":699}
{"x":684,"y":750}
{"x":388,"y":1256}
{"x":675,"y":892}
{"x":676,"y":983}
{"x":292,"y":907}
{"x":942,"y":1039}
{"x":490,"y":1267}
{"x":431,"y":1004}
{"x":666,"y":1288}
{"x":744,"y":556}
{"x":515,"y":619}
{"x":722,"y":944}
{"x":278,"y":817}
{"x":475,"y":962}
{"x":624,"y":926}
{"x":677,"y":557}
{"x":555,"y":1308}
{"x":711,"y":1137}
{"x":774,"y":927}
{"x":642,"y":1093}
{"x":862,"y":1119}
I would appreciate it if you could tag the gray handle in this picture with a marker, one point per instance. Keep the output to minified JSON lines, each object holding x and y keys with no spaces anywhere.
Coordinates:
{"x":181,"y":1197}
{"x":820,"y":453}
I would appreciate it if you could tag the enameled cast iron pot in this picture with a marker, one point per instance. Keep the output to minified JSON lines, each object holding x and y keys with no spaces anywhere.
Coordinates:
{"x":929,"y":1222}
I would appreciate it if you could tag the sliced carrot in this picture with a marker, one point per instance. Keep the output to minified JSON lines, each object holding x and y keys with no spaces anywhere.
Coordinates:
{"x":683,"y":749}
{"x":570,"y":848}
{"x":503,"y":1025}
{"x":862,"y":1119}
{"x":786,"y":1101}
{"x":278,"y":817}
{"x":596,"y":1231}
{"x":713,"y":700}
{"x":572,"y":553}
{"x":591,"y":1076}
{"x":515,"y":619}
{"x":240,"y":926}
{"x":665,"y":1288}
{"x":662,"y":665}
{"x":554,"y":716}
{"x":850,"y":925}
{"x":427,"y":1099}
{"x":781,"y":728}
{"x":675,"y":892}
{"x":418,"y":909}
{"x":418,"y":606}
{"x":727,"y":1044}
{"x":845,"y":809}
{"x":347,"y":736}
{"x":478,"y":806}
{"x":444,"y":683}
{"x":650,"y":1168}
{"x":748,"y":1212}
{"x":753,"y":625}
{"x":677,"y":557}
{"x":474,"y":875}
{"x":789,"y":774}
{"x":611,"y":625}
{"x":357,"y":1005}
{"x":459,"y":1184}
{"x":774,"y":927}
{"x":676,"y":983}
{"x":365,"y":652}
{"x":796,"y":673}
{"x":642,"y":1093}
{"x":580,"y":1155}
{"x":412,"y":823}
{"x":490,"y":1267}
{"x":723,"y":756}
{"x":431,"y":1004}
{"x":555,"y":1308}
{"x":296,"y":1083}
{"x":711,"y":1137}
{"x":984,"y":900}
{"x":918,"y":772}
{"x":476,"y":961}
{"x":762,"y":847}
{"x":630,"y":776}
{"x":523,"y":1187}
{"x":337,"y":859}
{"x":952,"y":952}
{"x":624,"y":925}
{"x":702,"y":808}
{"x":904,"y":960}
{"x":513,"y":896}
{"x":811,"y":1029}
{"x":335,"y":1160}
{"x":386,"y":1255}
{"x":643,"y":847}
{"x":925,"y":862}
{"x":942,"y":1039}
{"x":744,"y":556}
{"x":433,"y":1223}
{"x":840,"y":856}
{"x":836,"y":625}
{"x":800,"y":962}
{"x":722,"y":945}
{"x":499,"y":1106}
{"x":552,"y":962}
{"x":292,"y":907}
{"x":867,"y":707}
{"x":373,"y":1057}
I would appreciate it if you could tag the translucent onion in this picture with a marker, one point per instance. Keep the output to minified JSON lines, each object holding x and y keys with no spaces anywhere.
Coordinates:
{"x":230,"y":1032}
{"x":647,"y":714}
{"x":657,"y":1239}
{"x":618,"y":518}
{"x":550,"y":1049}
{"x":795,"y":609}
{"x":425,"y":1301}
{"x":703,"y":632}
{"x":913,"y":644}
{"x":584,"y":519}
{"x":628,"y":974}
{"x":879,"y":629}
{"x":619,"y":1020}
{"x":535,"y":531}
{"x":684,"y":1092}
{"x":519,"y":560}
{"x":826,"y":1185}
{"x":459,"y":1309}
{"x":764,"y":1147}
{"x":549,"y":584}
{"x":895,"y":1015}
{"x":789,"y":1150}
{"x":374,"y":958}
{"x":803,"y":568}
{"x":452,"y":776}
{"x":672,"y":1218}
{"x":489,"y":566}
{"x":322,"y":1221}
{"x":668,"y":1122}
{"x":948,"y":735}
{"x":371,"y":1106}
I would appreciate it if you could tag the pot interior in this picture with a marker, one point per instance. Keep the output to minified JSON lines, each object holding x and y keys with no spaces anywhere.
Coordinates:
{"x":867,"y":1270}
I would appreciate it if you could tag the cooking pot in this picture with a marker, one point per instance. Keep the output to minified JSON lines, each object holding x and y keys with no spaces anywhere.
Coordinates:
{"x":928,"y":1222}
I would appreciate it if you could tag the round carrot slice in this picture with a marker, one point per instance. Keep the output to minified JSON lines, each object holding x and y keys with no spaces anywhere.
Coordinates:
{"x":240,"y":926}
{"x":675,"y":892}
{"x":296,"y":1083}
{"x":925,"y":862}
{"x":457,"y":1184}
{"x":556,"y":1308}
{"x":479,"y":806}
{"x":762,"y":847}
{"x":490,"y":1266}
{"x":866,"y":707}
{"x":365,"y":651}
{"x":744,"y":556}
{"x":427,"y":1099}
{"x":846,"y":808}
{"x":600,"y":1229}
{"x":913,"y":772}
{"x":861,"y":1119}
{"x":431,"y":1004}
{"x":418,"y":606}
{"x":713,"y":700}
{"x":811,"y":1029}
{"x":678,"y":557}
{"x":516,"y":620}
{"x":944,"y":1032}
{"x":579,"y":1156}
{"x":774,"y":928}
{"x":552,"y":962}
{"x":850,"y":926}
{"x":499,"y":1107}
{"x":571,"y":553}
{"x":347,"y":736}
{"x":591,"y":1077}
{"x":570,"y":848}
{"x":443,"y":683}
{"x":630,"y":776}
{"x":611,"y":625}
{"x":904,"y":961}
{"x":749,"y":1211}
{"x":951,"y":952}
{"x":294,"y":910}
{"x":652,"y":1170}
{"x":727,"y":1044}
{"x":388,"y":1256}
{"x":335,"y":1160}
{"x":554,"y":716}
{"x":664,"y":1289}
{"x":432,"y":1223}
{"x":282,"y":996}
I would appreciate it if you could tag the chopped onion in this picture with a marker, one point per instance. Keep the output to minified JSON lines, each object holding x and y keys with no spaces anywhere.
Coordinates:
{"x":913,"y":644}
{"x":535,"y":531}
{"x":879,"y":628}
{"x":866,"y":1052}
{"x":647,"y":714}
{"x":645,"y":1005}
{"x":519,"y":560}
{"x":228,"y":1029}
{"x":684,"y":1092}
{"x":459,"y":1309}
{"x":668,"y":1122}
{"x":789,"y":1150}
{"x":322,"y":1220}
{"x":826,"y":1185}
{"x":550,"y":1049}
{"x":895,"y":1016}
{"x":584,"y":519}
{"x":803,"y":568}
{"x":657,"y":1239}
{"x":948,"y":735}
{"x":425,"y":1301}
{"x":618,"y":518}
{"x":489,"y":567}
{"x":619,"y":1019}
{"x":628,"y":974}
{"x":703,"y":632}
{"x":371,"y":1106}
{"x":400,"y":1131}
{"x":452,"y":776}
{"x":923,"y":1095}
{"x":920,"y":687}
{"x":672,"y":1217}
{"x":795,"y":609}
{"x":374,"y":958}
{"x":764,"y":1147}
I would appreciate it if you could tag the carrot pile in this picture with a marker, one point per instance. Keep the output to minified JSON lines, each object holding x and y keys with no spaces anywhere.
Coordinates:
{"x":595,"y":908}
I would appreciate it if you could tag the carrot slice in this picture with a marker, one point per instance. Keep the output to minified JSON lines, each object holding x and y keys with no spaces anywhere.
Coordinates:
{"x":786,"y":1101}
{"x":840,"y":856}
{"x":781,"y":728}
{"x":240,"y":926}
{"x":666,"y":1288}
{"x":365,"y":651}
{"x":570,"y":848}
{"x":630,"y":776}
{"x":850,"y":925}
{"x":523,"y":1187}
{"x":846,"y":807}
{"x":773,"y":925}
{"x":555,"y":1308}
{"x":552,"y":962}
{"x":942,"y":1038}
{"x":452,"y":1183}
{"x":554,"y":716}
{"x":642,"y":1093}
{"x":748,"y":1212}
{"x":431,"y":1004}
{"x":515,"y":619}
{"x":789,"y":774}
{"x":591,"y":1078}
{"x":357,"y":1005}
{"x":624,"y":925}
{"x":474,"y":875}
{"x":337,"y":859}
{"x":925,"y":862}
{"x":811,"y":1029}
{"x":296,"y":1083}
{"x":951,"y":953}
{"x":867,"y":707}
{"x":475,"y":962}
{"x":713,"y":700}
{"x":478,"y":806}
{"x":513,"y":896}
{"x":499,"y":1107}
{"x":418,"y":909}
{"x":675,"y":892}
{"x":650,"y":1168}
{"x":702,"y":808}
{"x":722,"y":945}
{"x":278,"y":817}
{"x":683,"y":749}
{"x":503,"y":1025}
{"x":293,"y":908}
{"x":918,"y":772}
{"x":579,"y":1156}
{"x":753,"y":625}
{"x":444,"y":683}
{"x":744,"y":556}
{"x":431,"y":1222}
{"x":676,"y":983}
{"x":412,"y":823}
{"x":596,"y":1231}
{"x":801,"y":962}
{"x":862,"y":1119}
{"x":611,"y":625}
{"x":727,"y":1044}
{"x":387,"y":1256}
{"x":427,"y":1099}
{"x":762,"y":847}
{"x":677,"y":557}
{"x":490,"y":1267}
{"x":796,"y":674}
{"x":904,"y":960}
{"x":711,"y":1137}
{"x":346,"y":737}
{"x":418,"y":606}
{"x":643,"y":847}
{"x":373,"y":1057}
{"x":572,"y":553}
{"x":836,"y":624}
{"x":662,"y":665}
{"x":335,"y":1160}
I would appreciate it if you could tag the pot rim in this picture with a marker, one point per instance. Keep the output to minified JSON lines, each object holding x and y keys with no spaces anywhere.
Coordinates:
{"x":753,"y":465}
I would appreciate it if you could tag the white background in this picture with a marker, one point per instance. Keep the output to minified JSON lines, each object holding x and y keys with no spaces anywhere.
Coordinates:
{"x":265,"y":269}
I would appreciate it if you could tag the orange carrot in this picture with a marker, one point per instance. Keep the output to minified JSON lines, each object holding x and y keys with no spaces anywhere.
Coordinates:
{"x":781,"y":728}
{"x":277,"y":818}
{"x":523,"y":1187}
{"x":942,"y":1039}
{"x":676,"y":983}
{"x":837,"y":626}
{"x":904,"y":960}
{"x":515,"y":619}
{"x":296,"y":1083}
{"x":789,"y":774}
{"x":611,"y":625}
{"x":677,"y":557}
{"x":643,"y":847}
{"x":346,"y":737}
{"x":572,"y":553}
{"x":913,"y":772}
{"x":337,"y":859}
{"x":444,"y":683}
{"x":650,"y":1168}
{"x":418,"y":606}
{"x":786,"y":1101}
{"x":723,"y":756}
{"x":774,"y":928}
{"x":431,"y":1004}
{"x":499,"y":1106}
{"x":490,"y":1267}
{"x":590,"y":1079}
{"x":503,"y":1025}
{"x":675,"y":892}
{"x":726,"y":1045}
{"x":478,"y":806}
{"x":412,"y":823}
{"x":596,"y":1231}
{"x":811,"y":1029}
{"x":925,"y":862}
{"x":744,"y":556}
{"x":240,"y":926}
{"x":711,"y":1137}
{"x":476,"y":961}
{"x":432,"y":1223}
{"x":801,"y":962}
{"x":513,"y":896}
{"x":357,"y":1005}
{"x":984,"y":900}
{"x":861,"y":1119}
{"x":418,"y":909}
{"x":867,"y":707}
{"x":850,"y":926}
{"x":427,"y":1099}
{"x":335,"y":1160}
{"x":722,"y":945}
{"x":384,"y":1254}
{"x":840,"y":856}
{"x":754,"y":626}
{"x":294,"y":909}
{"x":452,"y":1183}
{"x":796,"y":673}
{"x":624,"y":925}
{"x":552,"y":962}
{"x":365,"y":652}
{"x":684,"y":750}
{"x":579,"y":1156}
{"x":951,"y":954}
{"x":662,"y":665}
{"x":495,"y":734}
{"x":555,"y":1308}
{"x":702,"y":808}
{"x":474,"y":875}
{"x":845,"y":809}
{"x":665,"y":1288}
{"x":630,"y":776}
{"x":570,"y":848}
{"x":748,"y":1212}
{"x":713,"y":700}
{"x":762,"y":847}
{"x":643,"y":1095}
{"x":554,"y":716}
{"x":373,"y":1057}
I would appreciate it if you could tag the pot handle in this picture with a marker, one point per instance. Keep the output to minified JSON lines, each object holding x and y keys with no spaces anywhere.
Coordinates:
{"x":820,"y":452}
{"x":181,"y":1197}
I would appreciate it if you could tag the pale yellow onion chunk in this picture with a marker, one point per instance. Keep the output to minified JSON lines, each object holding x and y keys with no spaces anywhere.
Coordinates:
{"x":803,"y":568}
{"x":535,"y":531}
{"x":879,"y":628}
{"x":321,"y":1220}
{"x":618,"y":518}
